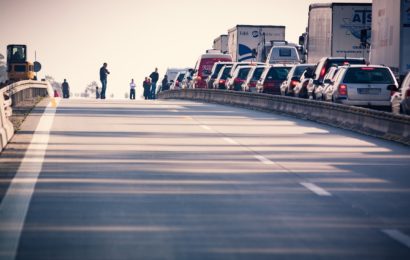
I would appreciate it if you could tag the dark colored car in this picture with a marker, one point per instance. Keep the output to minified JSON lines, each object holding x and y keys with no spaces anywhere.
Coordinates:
{"x":272,"y":78}
{"x":293,"y":78}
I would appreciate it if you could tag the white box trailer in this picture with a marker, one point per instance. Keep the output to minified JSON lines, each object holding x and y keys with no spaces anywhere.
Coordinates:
{"x":334,"y":30}
{"x":243,"y":40}
{"x":390,"y":44}
{"x":221,"y":43}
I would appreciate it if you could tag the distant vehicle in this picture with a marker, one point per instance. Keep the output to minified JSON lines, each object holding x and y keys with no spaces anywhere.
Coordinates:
{"x":172,"y":73}
{"x":283,"y":55}
{"x":264,"y":49}
{"x":254,"y":75}
{"x":204,"y":66}
{"x":322,"y":68}
{"x":325,"y":90}
{"x":364,"y":85}
{"x":300,"y":89}
{"x":335,"y":30}
{"x":215,"y":71}
{"x":18,"y":68}
{"x":220,"y":81}
{"x":187,"y":80}
{"x":221,"y":43}
{"x":243,"y":40}
{"x":272,"y":78}
{"x":401,"y":98}
{"x":177,"y":83}
{"x":238,"y":77}
{"x":293,"y":78}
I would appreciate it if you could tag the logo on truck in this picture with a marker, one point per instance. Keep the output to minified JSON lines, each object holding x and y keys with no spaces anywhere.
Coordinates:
{"x":362,"y":19}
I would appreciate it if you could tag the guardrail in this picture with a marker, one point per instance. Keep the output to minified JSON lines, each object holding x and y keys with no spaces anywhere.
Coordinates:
{"x":380,"y":124}
{"x":12,"y":95}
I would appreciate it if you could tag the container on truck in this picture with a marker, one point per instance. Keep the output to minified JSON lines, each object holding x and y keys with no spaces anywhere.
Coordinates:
{"x":390,"y":43}
{"x":221,"y":43}
{"x":335,"y":30}
{"x":243,"y":40}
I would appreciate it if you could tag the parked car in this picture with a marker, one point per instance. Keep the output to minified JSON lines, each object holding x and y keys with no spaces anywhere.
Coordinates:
{"x":364,"y":85}
{"x":322,"y":68}
{"x":238,"y":78}
{"x":300,"y":90}
{"x":325,"y":90}
{"x":272,"y":78}
{"x":204,"y":66}
{"x":215,"y":71}
{"x":293,"y":78}
{"x":253,"y":76}
{"x":220,"y":81}
{"x":177,"y":83}
{"x":401,"y":97}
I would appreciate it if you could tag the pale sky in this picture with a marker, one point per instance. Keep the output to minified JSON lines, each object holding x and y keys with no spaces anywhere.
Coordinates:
{"x":74,"y":37}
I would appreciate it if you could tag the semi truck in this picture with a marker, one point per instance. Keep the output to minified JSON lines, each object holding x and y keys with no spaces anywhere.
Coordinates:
{"x":338,"y":30}
{"x":243,"y":40}
{"x":221,"y":43}
{"x":390,"y":43}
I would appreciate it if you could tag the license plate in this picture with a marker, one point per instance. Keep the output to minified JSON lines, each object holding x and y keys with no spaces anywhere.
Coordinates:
{"x":369,"y":91}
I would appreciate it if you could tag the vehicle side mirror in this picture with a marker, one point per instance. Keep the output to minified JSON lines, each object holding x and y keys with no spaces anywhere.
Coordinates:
{"x":392,"y":88}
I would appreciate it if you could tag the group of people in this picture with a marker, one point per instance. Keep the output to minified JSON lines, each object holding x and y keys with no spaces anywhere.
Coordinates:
{"x":150,"y":85}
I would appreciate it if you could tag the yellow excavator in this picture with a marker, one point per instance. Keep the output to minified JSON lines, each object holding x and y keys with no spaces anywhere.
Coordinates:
{"x":18,"y":68}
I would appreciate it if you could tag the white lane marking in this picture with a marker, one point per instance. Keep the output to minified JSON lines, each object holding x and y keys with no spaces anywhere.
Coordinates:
{"x":174,"y":110}
{"x":264,"y":160}
{"x":13,"y":209}
{"x":398,"y":236}
{"x":230,"y":140}
{"x":206,"y":127}
{"x":315,"y":189}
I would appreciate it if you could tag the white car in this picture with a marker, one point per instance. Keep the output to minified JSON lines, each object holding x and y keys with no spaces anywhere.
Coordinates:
{"x":400,"y":100}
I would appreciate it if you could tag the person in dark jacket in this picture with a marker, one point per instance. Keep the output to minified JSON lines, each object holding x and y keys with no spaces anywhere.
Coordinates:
{"x":154,"y":79}
{"x":147,"y":88}
{"x":66,"y":89}
{"x":103,"y":78}
{"x":165,"y":84}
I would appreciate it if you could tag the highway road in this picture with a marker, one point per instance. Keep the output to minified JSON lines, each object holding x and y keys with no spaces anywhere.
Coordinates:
{"x":111,"y":179}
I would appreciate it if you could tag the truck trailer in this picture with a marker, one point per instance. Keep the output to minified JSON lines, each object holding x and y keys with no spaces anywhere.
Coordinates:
{"x":221,"y":43}
{"x":243,"y":40}
{"x":336,"y":30}
{"x":390,"y":44}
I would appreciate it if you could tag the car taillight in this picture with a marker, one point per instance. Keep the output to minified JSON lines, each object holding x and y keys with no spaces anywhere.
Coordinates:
{"x":367,"y":68}
{"x":198,"y":78}
{"x":342,"y":89}
{"x":293,"y":83}
{"x":252,"y":84}
{"x":323,"y":72}
{"x":221,"y":81}
{"x":237,"y":81}
{"x":177,"y":83}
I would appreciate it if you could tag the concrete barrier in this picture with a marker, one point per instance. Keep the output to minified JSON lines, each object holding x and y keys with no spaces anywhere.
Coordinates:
{"x":12,"y":95}
{"x":366,"y":121}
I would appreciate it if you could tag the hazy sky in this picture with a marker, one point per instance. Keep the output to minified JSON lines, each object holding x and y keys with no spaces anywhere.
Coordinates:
{"x":74,"y":37}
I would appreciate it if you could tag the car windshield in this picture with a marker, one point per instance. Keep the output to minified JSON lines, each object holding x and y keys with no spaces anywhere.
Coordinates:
{"x":243,"y":73}
{"x":299,"y":70}
{"x":257,"y":73}
{"x":368,"y":75}
{"x":217,"y":69}
{"x":278,"y":73}
{"x":181,"y":76}
{"x":226,"y":72}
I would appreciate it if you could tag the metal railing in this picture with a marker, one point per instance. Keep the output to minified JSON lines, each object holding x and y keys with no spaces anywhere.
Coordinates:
{"x":12,"y":95}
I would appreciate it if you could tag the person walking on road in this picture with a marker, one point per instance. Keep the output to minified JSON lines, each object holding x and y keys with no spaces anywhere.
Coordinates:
{"x":165,"y":85}
{"x":66,"y":89}
{"x":154,"y":79}
{"x":103,"y":78}
{"x":147,"y":88}
{"x":132,"y":89}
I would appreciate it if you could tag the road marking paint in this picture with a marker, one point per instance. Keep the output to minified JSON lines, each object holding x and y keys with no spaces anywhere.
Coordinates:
{"x":230,"y":140}
{"x":206,"y":127}
{"x":15,"y":204}
{"x":174,"y":110}
{"x":264,"y":160}
{"x":398,"y":236}
{"x":315,"y":189}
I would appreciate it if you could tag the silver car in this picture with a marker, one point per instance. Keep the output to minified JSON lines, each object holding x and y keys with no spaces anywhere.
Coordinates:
{"x":401,"y":98}
{"x":364,"y":85}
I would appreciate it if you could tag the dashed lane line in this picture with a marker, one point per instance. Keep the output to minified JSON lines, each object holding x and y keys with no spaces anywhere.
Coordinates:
{"x":264,"y":160}
{"x":206,"y":127}
{"x":230,"y":140}
{"x":315,"y":189}
{"x":15,"y":204}
{"x":398,"y":236}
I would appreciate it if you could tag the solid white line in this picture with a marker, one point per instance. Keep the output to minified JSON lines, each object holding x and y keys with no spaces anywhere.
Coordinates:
{"x":398,"y":236}
{"x":229,"y":140}
{"x":206,"y":127}
{"x":264,"y":160}
{"x":13,"y":209}
{"x":315,"y":189}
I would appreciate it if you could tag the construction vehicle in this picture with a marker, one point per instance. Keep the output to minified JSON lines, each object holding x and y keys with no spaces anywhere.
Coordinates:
{"x":18,"y":68}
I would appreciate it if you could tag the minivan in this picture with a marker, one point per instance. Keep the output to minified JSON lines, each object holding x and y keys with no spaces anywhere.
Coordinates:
{"x":204,"y":66}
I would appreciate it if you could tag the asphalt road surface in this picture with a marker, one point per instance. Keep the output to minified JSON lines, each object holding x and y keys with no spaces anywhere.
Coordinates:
{"x":94,"y":179}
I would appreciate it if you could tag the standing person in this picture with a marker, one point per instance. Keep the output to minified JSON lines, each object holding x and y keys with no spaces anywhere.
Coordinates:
{"x":147,"y":88}
{"x":154,"y":79}
{"x":165,"y":85}
{"x":132,"y":89}
{"x":66,"y":89}
{"x":103,"y":77}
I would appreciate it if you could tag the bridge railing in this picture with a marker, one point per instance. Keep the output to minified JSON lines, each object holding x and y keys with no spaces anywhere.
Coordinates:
{"x":366,"y":121}
{"x":13,"y":95}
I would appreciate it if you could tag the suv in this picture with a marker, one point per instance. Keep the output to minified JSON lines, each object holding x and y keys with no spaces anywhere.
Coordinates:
{"x":271,"y":79}
{"x":322,"y":68}
{"x":238,"y":78}
{"x":215,"y":71}
{"x":364,"y":85}
{"x":293,"y":78}
{"x":254,"y":75}
{"x":220,"y":81}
